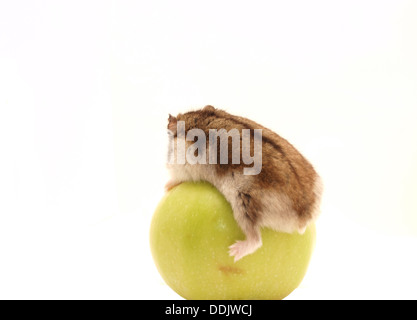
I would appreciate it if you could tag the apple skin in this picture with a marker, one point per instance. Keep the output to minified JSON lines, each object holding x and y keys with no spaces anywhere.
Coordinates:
{"x":191,"y":230}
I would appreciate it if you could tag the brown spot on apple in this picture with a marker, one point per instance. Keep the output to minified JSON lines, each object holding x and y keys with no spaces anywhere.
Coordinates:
{"x":230,"y":270}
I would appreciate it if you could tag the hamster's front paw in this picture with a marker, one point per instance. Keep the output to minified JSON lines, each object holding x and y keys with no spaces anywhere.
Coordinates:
{"x":171,"y":184}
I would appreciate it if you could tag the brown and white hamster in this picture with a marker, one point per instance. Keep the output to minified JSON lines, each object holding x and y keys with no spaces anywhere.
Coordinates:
{"x":284,"y":196}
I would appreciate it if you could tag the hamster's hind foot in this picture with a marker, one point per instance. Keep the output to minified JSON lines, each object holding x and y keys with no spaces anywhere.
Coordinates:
{"x":242,"y":248}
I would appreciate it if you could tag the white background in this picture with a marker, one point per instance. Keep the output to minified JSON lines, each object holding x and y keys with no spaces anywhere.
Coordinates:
{"x":85,"y":90}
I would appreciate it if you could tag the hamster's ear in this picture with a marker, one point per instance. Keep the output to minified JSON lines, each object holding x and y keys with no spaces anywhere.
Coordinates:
{"x":172,"y":124}
{"x":209,"y":108}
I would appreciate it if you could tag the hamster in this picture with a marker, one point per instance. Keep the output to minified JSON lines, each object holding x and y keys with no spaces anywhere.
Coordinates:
{"x":284,"y":195}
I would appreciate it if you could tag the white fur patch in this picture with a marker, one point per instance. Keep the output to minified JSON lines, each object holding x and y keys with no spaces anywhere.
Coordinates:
{"x":318,"y":191}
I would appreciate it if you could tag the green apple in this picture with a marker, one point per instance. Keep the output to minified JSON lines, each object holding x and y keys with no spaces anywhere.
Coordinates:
{"x":191,"y":231}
